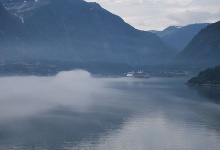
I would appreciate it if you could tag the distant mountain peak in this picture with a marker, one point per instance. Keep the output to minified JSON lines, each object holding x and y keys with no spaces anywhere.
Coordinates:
{"x":179,"y":27}
{"x":171,"y":28}
{"x":179,"y":36}
{"x":204,"y":49}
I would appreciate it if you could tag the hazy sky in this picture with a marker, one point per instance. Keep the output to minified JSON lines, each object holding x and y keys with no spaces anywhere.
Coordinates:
{"x":159,"y":14}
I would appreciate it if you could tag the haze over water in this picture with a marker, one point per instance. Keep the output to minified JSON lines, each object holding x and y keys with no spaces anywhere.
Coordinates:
{"x":75,"y":111}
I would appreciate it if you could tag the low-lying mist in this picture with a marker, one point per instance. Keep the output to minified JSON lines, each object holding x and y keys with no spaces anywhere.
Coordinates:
{"x":27,"y":96}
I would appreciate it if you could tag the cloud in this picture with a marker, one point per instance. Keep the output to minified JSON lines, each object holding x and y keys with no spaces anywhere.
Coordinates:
{"x":159,"y":14}
{"x":193,"y":16}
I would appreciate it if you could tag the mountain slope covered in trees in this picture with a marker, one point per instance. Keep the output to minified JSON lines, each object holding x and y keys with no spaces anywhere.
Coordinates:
{"x":203,"y":51}
{"x":75,"y":30}
{"x":210,"y":76}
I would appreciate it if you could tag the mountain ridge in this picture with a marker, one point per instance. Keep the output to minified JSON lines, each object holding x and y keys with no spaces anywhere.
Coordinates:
{"x":81,"y":31}
{"x":204,"y":49}
{"x":179,"y":36}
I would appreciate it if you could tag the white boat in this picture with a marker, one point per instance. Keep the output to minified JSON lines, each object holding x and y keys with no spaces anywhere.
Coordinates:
{"x":139,"y":74}
{"x":130,"y":74}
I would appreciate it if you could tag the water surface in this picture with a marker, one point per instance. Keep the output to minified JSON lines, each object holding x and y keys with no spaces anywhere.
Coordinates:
{"x":75,"y":111}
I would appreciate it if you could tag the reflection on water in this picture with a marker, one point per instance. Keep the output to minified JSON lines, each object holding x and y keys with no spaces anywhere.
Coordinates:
{"x":75,"y":111}
{"x":212,"y":94}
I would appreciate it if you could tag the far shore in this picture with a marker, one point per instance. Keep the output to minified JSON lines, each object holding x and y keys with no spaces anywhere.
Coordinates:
{"x":204,"y":85}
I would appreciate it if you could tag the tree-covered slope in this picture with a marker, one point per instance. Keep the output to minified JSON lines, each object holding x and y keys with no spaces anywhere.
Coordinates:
{"x":75,"y":30}
{"x":10,"y":25}
{"x":203,"y":51}
{"x":210,"y":76}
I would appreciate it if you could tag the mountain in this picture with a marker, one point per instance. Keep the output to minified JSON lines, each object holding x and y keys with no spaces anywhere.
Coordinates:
{"x":75,"y":30}
{"x":10,"y":25}
{"x":179,"y":36}
{"x":11,"y":30}
{"x":203,"y":51}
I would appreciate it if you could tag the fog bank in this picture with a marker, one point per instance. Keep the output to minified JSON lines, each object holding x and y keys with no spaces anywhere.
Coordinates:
{"x":27,"y":96}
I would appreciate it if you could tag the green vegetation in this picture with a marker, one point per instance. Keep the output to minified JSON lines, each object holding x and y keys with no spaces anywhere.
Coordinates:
{"x":210,"y":76}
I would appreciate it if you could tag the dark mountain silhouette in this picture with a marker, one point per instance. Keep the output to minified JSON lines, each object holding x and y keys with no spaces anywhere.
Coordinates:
{"x":203,"y":51}
{"x":180,"y":36}
{"x":208,"y":77}
{"x":75,"y":30}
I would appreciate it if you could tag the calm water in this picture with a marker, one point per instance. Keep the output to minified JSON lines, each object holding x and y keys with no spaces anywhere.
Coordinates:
{"x":75,"y":111}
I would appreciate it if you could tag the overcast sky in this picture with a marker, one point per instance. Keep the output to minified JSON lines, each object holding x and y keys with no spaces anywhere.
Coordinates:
{"x":159,"y":14}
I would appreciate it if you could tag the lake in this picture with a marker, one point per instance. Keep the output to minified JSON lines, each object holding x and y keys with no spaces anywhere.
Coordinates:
{"x":72,"y":111}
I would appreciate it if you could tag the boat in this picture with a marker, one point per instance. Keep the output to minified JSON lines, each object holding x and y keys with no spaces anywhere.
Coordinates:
{"x":139,"y":74}
{"x":130,"y":74}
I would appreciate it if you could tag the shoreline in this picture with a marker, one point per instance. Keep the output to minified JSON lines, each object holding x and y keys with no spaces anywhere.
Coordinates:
{"x":204,"y":85}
